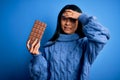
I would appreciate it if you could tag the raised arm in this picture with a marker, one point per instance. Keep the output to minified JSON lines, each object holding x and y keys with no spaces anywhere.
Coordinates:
{"x":38,"y":65}
{"x":96,"y":36}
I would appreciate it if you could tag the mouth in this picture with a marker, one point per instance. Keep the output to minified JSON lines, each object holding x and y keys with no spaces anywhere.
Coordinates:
{"x":67,"y":28}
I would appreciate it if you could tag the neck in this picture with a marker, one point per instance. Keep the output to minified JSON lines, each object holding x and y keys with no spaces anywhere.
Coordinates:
{"x":68,"y":37}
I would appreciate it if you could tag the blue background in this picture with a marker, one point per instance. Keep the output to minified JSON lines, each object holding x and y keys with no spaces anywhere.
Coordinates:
{"x":17,"y":18}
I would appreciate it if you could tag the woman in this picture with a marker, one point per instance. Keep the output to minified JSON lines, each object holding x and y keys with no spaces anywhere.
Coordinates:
{"x":69,"y":54}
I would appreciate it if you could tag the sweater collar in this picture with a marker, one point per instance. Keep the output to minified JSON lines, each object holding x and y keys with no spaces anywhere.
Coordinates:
{"x":68,"y":37}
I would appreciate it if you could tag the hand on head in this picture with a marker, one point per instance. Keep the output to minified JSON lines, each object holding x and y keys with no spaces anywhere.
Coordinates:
{"x":71,"y":14}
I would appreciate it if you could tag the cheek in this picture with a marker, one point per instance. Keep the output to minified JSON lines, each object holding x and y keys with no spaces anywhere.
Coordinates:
{"x":75,"y":26}
{"x":62,"y":24}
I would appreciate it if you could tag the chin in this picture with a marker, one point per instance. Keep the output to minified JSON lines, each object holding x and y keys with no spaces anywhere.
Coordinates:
{"x":66,"y":32}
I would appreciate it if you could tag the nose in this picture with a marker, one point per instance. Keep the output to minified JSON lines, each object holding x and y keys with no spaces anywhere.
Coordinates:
{"x":68,"y":22}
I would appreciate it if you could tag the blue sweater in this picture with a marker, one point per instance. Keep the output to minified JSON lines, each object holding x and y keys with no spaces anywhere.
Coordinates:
{"x":70,"y":56}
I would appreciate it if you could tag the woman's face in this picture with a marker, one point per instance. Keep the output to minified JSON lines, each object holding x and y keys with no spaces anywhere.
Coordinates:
{"x":68,"y":24}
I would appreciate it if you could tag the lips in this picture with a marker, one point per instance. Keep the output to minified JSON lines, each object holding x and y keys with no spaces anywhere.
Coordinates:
{"x":67,"y":28}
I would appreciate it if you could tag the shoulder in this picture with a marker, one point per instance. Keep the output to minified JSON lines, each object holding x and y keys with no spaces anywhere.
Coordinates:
{"x":83,"y":41}
{"x":49,"y":43}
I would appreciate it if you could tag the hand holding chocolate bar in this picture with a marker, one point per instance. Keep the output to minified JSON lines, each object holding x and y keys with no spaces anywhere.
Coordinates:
{"x":35,"y":37}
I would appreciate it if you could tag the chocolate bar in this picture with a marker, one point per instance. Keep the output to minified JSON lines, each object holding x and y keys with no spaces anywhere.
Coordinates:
{"x":37,"y":31}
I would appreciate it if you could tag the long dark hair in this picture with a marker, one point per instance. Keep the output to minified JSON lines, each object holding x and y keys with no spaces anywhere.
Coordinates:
{"x":59,"y":30}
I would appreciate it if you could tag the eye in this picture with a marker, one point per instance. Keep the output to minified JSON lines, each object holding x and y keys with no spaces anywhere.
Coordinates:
{"x":73,"y":20}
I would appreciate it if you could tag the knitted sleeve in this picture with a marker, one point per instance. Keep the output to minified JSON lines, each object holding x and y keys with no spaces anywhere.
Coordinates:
{"x":96,"y":36}
{"x":38,"y":68}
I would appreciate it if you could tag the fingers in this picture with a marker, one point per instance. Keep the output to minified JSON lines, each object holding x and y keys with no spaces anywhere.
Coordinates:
{"x":68,"y":10}
{"x":36,"y":48}
{"x":33,"y":45}
{"x":67,"y":14}
{"x":28,"y":44}
{"x":71,"y":11}
{"x":72,"y":14}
